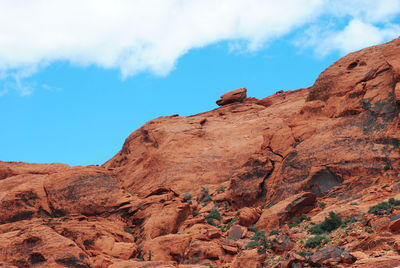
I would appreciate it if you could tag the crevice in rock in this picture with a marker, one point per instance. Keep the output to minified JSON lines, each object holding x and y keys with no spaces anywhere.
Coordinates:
{"x":263,"y":192}
{"x":54,"y":212}
{"x":269,"y":148}
{"x":373,"y":73}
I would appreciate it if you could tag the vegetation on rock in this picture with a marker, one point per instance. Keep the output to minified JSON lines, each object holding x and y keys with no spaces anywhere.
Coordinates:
{"x":328,"y":225}
{"x":384,"y":207}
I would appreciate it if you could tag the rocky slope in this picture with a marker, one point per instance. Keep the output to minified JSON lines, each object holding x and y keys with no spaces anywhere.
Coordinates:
{"x":302,"y":178}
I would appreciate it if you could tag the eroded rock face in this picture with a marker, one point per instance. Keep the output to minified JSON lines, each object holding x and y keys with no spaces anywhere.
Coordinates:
{"x":238,"y":186}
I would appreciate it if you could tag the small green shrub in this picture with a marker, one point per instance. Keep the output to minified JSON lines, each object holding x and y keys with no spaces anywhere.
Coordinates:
{"x":303,"y":253}
{"x":195,"y":213}
{"x":214,"y":214}
{"x":388,"y":165}
{"x":204,"y":190}
{"x":252,"y":244}
{"x":299,"y":220}
{"x":205,"y":200}
{"x":274,"y":232}
{"x":259,"y":236}
{"x":394,"y":202}
{"x":348,"y":221}
{"x":348,"y":230}
{"x":294,"y":145}
{"x":187,"y":198}
{"x":128,"y":230}
{"x":260,"y":239}
{"x":226,"y":205}
{"x":381,"y":208}
{"x":322,"y":205}
{"x":384,"y":207}
{"x":227,"y":226}
{"x":353,"y":204}
{"x":253,"y":228}
{"x":221,"y":189}
{"x":328,"y":225}
{"x":206,"y":196}
{"x":316,"y":241}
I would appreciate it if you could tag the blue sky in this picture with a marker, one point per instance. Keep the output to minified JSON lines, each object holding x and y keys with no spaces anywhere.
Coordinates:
{"x":76,"y":101}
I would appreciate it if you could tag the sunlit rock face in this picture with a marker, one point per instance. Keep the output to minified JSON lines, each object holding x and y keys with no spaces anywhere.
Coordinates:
{"x":237,"y":186}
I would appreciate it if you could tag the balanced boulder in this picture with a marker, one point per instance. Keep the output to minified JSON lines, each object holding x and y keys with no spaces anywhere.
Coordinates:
{"x":237,"y":95}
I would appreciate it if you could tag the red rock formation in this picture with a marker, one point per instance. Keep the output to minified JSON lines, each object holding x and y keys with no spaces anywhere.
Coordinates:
{"x":237,"y":95}
{"x":238,"y":186}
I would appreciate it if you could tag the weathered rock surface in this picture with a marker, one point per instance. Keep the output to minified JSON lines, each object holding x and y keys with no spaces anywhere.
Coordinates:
{"x":238,"y":186}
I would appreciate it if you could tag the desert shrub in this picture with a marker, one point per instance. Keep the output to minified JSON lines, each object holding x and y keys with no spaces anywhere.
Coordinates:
{"x":195,"y":213}
{"x":204,"y":190}
{"x":384,"y":207}
{"x":226,"y":206}
{"x":227,"y":226}
{"x":206,"y":196}
{"x":316,"y":241}
{"x":322,"y":205}
{"x":394,"y":202}
{"x":213,"y":214}
{"x":381,"y":208}
{"x":328,"y":225}
{"x":388,"y":166}
{"x":128,"y":230}
{"x":303,"y":253}
{"x":299,"y":220}
{"x":205,"y":200}
{"x":253,"y":228}
{"x":274,"y":232}
{"x":252,"y":244}
{"x":221,"y":189}
{"x":296,"y":143}
{"x":187,"y":198}
{"x":348,"y":221}
{"x":259,"y":239}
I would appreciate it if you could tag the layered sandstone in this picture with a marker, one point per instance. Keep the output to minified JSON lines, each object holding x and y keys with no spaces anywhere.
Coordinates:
{"x":187,"y":191}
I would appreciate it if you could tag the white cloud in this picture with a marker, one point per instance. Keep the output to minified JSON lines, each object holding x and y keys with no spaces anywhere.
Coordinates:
{"x":354,"y":36}
{"x":370,"y":11}
{"x":150,"y":35}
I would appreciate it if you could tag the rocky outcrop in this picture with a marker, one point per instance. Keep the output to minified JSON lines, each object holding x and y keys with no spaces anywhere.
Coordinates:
{"x":237,"y":95}
{"x":248,"y":184}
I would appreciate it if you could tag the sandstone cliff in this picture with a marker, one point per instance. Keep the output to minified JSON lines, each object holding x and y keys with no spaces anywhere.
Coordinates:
{"x":291,"y":180}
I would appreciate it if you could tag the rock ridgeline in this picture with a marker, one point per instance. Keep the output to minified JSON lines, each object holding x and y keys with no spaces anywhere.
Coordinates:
{"x":304,"y":178}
